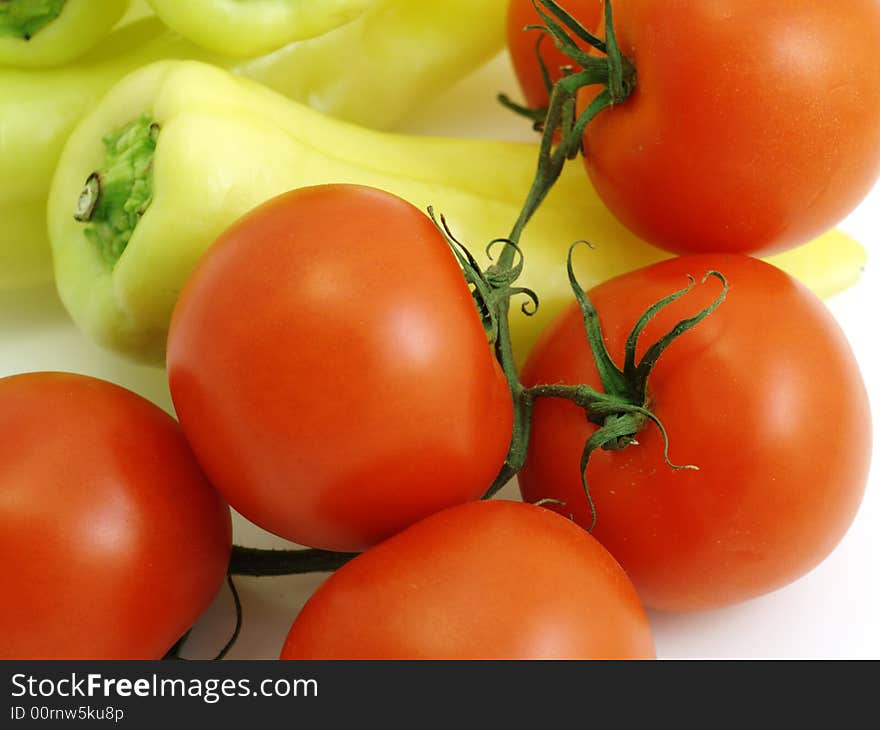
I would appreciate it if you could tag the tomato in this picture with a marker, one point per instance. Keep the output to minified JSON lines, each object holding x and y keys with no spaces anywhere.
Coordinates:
{"x":521,"y":44}
{"x":486,"y":580}
{"x":330,"y":368}
{"x":113,"y":543}
{"x":753,"y":128}
{"x":764,"y":396}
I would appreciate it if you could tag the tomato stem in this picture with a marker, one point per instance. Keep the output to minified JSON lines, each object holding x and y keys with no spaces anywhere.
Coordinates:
{"x":256,"y":562}
{"x":617,"y":75}
{"x":622,"y":410}
{"x":239,"y":617}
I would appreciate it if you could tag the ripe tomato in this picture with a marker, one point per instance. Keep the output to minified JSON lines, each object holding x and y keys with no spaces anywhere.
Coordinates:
{"x":521,"y":44}
{"x":486,"y":580}
{"x":331,"y":371}
{"x":113,"y":543}
{"x":764,"y":396}
{"x":753,"y":127}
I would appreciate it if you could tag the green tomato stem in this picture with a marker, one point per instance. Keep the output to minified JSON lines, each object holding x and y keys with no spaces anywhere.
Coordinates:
{"x":617,"y":76}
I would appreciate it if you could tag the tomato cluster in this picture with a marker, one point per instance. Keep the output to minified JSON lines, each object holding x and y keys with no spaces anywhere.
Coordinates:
{"x":341,"y":384}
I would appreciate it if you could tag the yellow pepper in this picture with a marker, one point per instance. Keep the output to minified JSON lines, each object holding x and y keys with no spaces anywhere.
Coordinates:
{"x":38,"y":109}
{"x":241,"y":28}
{"x":177,"y":151}
{"x":345,"y":72}
{"x":38,"y":33}
{"x":388,"y":62}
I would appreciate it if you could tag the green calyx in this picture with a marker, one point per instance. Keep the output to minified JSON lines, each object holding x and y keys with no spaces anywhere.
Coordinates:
{"x":623,"y":407}
{"x":115,"y":197}
{"x":492,"y":287}
{"x":561,"y":124}
{"x":612,"y":70}
{"x":24,"y":18}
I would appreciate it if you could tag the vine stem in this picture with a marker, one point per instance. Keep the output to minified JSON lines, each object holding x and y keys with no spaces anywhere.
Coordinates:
{"x":256,"y":562}
{"x":617,"y":75}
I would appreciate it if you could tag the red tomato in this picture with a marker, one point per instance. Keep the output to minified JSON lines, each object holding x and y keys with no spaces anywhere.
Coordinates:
{"x":113,"y":543}
{"x":753,"y":128}
{"x":521,"y":44}
{"x":487,"y":580}
{"x":764,"y":396}
{"x":331,"y":371}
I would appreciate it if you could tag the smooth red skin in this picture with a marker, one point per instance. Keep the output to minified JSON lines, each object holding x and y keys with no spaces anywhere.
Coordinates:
{"x":754,"y":126}
{"x":486,"y":580}
{"x":112,"y":541}
{"x":521,"y":44}
{"x":764,"y":396}
{"x":330,"y":369}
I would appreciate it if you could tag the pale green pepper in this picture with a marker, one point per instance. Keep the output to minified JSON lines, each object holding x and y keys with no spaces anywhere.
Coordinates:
{"x":345,"y":72}
{"x":244,"y":28}
{"x":39,"y":33}
{"x":38,"y":109}
{"x":390,"y":61}
{"x":177,"y":151}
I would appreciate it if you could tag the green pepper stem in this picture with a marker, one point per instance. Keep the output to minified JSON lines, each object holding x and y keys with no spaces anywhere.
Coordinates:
{"x":115,"y":197}
{"x":25,"y":18}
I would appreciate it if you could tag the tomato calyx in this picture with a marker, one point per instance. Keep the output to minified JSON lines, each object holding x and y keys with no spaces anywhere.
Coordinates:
{"x":492,"y":290}
{"x":493,"y":287}
{"x":623,"y":409}
{"x":614,"y":71}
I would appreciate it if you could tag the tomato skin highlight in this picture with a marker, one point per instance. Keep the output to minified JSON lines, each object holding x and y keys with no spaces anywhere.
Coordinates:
{"x":753,"y":128}
{"x":359,"y":393}
{"x":764,"y":396}
{"x":113,"y":543}
{"x":485,"y":580}
{"x":521,"y":45}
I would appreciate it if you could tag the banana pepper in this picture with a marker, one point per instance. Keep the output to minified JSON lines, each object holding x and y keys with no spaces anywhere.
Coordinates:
{"x":38,"y":110}
{"x":245,"y":28}
{"x":178,"y":150}
{"x":344,"y":72}
{"x":38,"y":33}
{"x":388,"y":62}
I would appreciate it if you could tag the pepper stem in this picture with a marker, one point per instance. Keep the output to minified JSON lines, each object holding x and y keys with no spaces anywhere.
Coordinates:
{"x":115,"y":197}
{"x":25,"y":18}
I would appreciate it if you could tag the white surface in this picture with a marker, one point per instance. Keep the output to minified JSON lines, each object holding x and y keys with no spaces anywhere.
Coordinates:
{"x":832,"y":612}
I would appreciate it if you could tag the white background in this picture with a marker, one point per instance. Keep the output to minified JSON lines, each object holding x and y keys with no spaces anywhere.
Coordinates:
{"x":832,"y":612}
